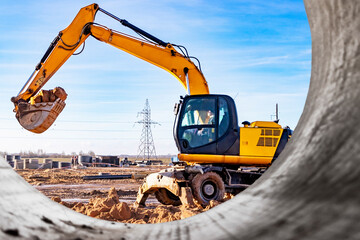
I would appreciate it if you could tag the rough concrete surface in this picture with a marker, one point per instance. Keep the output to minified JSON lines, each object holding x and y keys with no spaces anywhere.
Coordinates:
{"x":311,"y":192}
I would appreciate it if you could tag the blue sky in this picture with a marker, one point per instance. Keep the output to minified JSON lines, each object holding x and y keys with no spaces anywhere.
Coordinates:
{"x":257,"y":51}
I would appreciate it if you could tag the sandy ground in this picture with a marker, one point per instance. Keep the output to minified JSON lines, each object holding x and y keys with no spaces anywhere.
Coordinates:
{"x":68,"y":184}
{"x":106,"y":199}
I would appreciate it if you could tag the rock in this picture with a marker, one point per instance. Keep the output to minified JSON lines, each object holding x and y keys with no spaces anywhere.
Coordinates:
{"x":60,"y":93}
{"x":113,"y":194}
{"x":93,"y":200}
{"x":93,"y":213}
{"x":125,"y":210}
{"x":109,"y":202}
{"x":49,"y":95}
{"x":105,"y":216}
{"x":120,"y":211}
{"x":79,"y":204}
{"x":52,"y":96}
{"x":79,"y":207}
{"x":96,"y":202}
{"x":67,"y":204}
{"x":104,"y":209}
{"x":56,"y":199}
{"x":45,"y":95}
{"x":36,"y":99}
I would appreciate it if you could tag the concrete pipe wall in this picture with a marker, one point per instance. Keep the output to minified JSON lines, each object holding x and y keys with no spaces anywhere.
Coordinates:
{"x":311,"y":192}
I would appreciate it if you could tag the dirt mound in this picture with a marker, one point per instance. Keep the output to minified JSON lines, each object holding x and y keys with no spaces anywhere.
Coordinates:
{"x":49,"y":95}
{"x":111,"y":209}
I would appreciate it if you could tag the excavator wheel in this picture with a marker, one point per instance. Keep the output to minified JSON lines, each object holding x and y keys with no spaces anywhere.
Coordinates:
{"x":165,"y":197}
{"x":206,"y":187}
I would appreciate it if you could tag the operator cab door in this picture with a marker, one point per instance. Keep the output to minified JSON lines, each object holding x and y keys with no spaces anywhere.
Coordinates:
{"x":207,"y":124}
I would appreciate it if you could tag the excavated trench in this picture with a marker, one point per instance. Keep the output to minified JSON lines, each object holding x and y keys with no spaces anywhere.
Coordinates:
{"x":311,"y":192}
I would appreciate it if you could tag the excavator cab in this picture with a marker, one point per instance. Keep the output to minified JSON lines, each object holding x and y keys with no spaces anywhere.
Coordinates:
{"x":207,"y":124}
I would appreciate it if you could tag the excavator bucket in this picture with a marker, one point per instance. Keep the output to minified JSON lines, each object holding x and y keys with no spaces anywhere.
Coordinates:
{"x":38,"y":117}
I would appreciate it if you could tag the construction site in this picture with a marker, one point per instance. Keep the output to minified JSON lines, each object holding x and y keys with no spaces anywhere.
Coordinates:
{"x":230,"y":178}
{"x":218,"y":155}
{"x":106,"y":193}
{"x":106,"y":187}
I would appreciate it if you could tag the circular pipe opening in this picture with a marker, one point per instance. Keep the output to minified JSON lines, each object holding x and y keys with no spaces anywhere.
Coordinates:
{"x":310,"y":192}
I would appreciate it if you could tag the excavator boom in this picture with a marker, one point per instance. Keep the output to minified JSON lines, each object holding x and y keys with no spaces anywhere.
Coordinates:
{"x":37,"y":117}
{"x":166,"y":58}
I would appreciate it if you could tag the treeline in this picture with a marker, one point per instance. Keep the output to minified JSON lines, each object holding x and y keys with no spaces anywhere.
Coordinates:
{"x":42,"y":154}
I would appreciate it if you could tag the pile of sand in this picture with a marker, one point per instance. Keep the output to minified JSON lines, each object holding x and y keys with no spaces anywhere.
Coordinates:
{"x":111,"y":209}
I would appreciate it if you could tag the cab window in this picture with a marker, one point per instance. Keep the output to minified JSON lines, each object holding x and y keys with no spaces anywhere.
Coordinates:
{"x":199,"y":112}
{"x":223,"y":117}
{"x":198,"y":122}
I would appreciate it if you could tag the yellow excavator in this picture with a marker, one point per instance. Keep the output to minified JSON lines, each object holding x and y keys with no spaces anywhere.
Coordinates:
{"x":213,"y":148}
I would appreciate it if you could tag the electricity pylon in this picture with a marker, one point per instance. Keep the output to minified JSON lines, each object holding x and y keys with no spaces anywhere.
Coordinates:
{"x":146,"y":149}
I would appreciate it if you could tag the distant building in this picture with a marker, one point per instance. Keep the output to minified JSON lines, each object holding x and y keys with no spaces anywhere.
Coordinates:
{"x":10,"y":158}
{"x":109,"y":161}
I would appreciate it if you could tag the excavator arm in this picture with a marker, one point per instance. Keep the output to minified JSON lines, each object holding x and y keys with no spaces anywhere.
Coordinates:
{"x":38,"y":117}
{"x":166,"y":58}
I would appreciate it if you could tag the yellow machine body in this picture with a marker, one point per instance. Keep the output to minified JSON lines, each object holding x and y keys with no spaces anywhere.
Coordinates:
{"x":258,"y":144}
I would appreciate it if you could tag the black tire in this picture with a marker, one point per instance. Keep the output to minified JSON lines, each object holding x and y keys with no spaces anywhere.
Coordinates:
{"x":206,"y":187}
{"x":166,"y":197}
